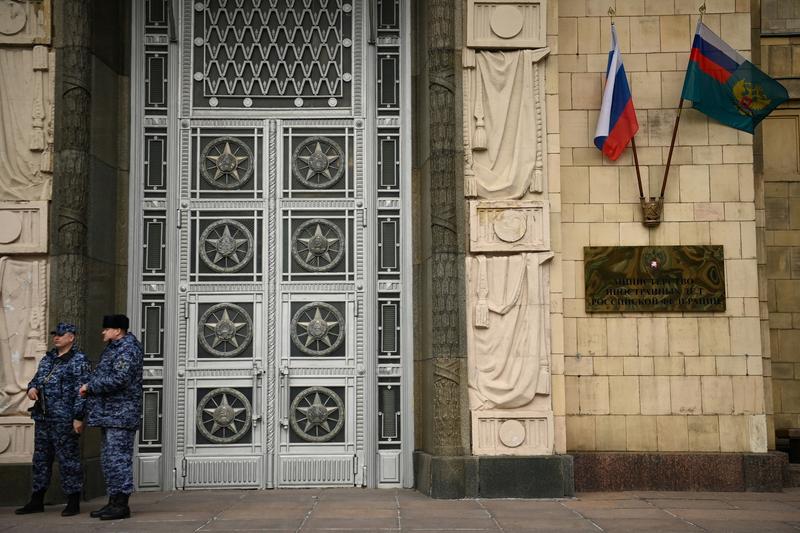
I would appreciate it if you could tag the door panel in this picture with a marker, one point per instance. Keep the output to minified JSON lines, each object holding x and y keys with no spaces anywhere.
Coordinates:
{"x":268,"y":268}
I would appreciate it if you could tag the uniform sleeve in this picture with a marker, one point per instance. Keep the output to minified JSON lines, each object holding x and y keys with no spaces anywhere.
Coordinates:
{"x":36,"y":381}
{"x":116,"y":375}
{"x":82,"y":376}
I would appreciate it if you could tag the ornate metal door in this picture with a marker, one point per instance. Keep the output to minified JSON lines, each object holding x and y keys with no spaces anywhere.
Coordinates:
{"x":273,"y":302}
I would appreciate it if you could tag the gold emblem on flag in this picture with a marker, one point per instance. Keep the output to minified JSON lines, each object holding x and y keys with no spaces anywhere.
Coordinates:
{"x":749,"y":97}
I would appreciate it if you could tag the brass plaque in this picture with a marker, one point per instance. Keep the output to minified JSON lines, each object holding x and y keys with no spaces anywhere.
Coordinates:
{"x":654,"y":278}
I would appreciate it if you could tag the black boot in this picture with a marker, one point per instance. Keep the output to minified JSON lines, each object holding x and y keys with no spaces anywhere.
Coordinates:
{"x":118,"y":510}
{"x":98,"y":512}
{"x":73,"y":505}
{"x":36,"y":505}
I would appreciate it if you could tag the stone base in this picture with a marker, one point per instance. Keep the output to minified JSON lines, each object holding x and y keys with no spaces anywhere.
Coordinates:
{"x":543,"y":476}
{"x":15,"y":488}
{"x":719,"y":472}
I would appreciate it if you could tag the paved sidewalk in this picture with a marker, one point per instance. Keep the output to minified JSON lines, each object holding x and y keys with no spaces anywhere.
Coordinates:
{"x":406,"y":510}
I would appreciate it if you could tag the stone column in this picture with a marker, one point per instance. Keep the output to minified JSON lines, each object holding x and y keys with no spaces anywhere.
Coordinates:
{"x":442,"y":465}
{"x":71,"y":165}
{"x":447,"y":272}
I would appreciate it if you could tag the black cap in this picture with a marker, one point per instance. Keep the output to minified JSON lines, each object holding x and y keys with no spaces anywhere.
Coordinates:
{"x":116,"y":321}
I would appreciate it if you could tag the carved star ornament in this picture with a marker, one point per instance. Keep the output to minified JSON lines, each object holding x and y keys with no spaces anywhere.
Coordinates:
{"x":317,"y":328}
{"x":318,"y":162}
{"x":226,"y":163}
{"x":225,"y":330}
{"x":317,"y":414}
{"x":226,"y":246}
{"x":317,"y":245}
{"x":223,"y":415}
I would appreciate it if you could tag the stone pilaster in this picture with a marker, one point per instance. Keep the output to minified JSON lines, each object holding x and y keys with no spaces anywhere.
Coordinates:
{"x":68,"y":229}
{"x":447,"y":272}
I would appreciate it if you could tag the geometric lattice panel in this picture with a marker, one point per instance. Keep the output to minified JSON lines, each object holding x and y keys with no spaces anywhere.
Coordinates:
{"x":270,"y":53}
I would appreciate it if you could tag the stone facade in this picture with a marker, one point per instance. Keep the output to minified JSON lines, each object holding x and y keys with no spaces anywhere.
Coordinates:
{"x":777,"y":173}
{"x":663,"y":381}
{"x":508,"y":189}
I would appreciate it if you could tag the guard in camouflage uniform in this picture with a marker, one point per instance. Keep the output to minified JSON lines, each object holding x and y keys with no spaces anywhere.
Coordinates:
{"x":114,"y":391}
{"x":58,"y":414}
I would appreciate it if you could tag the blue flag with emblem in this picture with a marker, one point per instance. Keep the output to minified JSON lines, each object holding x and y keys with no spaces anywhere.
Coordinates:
{"x":722,"y":84}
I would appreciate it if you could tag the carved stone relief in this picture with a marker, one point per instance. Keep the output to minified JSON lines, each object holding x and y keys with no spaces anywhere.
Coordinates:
{"x":25,"y":21}
{"x":498,"y":432}
{"x":509,"y":334}
{"x":508,"y":226}
{"x":16,"y":439}
{"x":505,"y":168}
{"x":506,"y":23}
{"x":26,"y":123}
{"x":23,"y":227}
{"x":23,"y":292}
{"x":504,"y":130}
{"x":509,"y":351}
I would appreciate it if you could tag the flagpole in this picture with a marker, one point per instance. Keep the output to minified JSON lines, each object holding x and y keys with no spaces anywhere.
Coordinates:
{"x":638,"y":173}
{"x":671,"y":148}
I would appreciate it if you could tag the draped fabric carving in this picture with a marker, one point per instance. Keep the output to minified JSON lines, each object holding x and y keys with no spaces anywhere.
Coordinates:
{"x":510,"y":350}
{"x":506,"y":124}
{"x":21,"y":330}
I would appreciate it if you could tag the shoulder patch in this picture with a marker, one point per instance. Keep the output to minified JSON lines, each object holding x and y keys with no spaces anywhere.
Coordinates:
{"x":121,"y":364}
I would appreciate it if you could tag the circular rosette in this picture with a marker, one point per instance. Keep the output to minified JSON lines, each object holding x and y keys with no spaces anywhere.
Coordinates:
{"x":317,"y":414}
{"x":224,"y":415}
{"x":225,"y":330}
{"x":226,"y":246}
{"x":318,"y":162}
{"x":226,"y":163}
{"x":317,"y":328}
{"x":318,"y":245}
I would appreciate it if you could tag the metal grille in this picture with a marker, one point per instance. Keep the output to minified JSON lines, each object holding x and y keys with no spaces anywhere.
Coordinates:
{"x":153,"y":330}
{"x":392,"y":201}
{"x":273,"y":53}
{"x":155,"y":85}
{"x":156,"y":13}
{"x":389,"y":412}
{"x":155,"y":161}
{"x":151,"y":418}
{"x":389,"y":244}
{"x":149,"y":228}
{"x":388,"y":163}
{"x":154,"y":244}
{"x":389,"y":328}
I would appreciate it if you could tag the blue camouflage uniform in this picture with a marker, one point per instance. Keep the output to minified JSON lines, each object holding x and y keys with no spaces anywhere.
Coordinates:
{"x":58,"y":379}
{"x":115,"y":405}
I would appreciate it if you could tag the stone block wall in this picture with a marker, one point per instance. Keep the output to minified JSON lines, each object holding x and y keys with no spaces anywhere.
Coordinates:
{"x":663,"y":381}
{"x":780,"y":16}
{"x":778,"y":173}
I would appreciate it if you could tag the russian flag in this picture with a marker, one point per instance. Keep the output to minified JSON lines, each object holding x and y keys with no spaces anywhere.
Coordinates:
{"x":617,"y":122}
{"x":714,"y":56}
